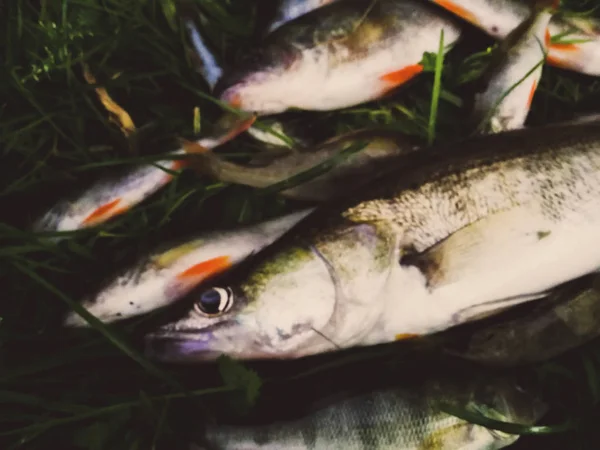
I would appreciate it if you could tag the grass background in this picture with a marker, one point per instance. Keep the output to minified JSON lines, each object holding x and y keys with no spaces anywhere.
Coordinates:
{"x":93,"y":390}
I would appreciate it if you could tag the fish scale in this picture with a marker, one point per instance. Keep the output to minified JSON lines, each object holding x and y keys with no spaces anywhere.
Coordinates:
{"x":468,"y":230}
{"x":386,"y":419}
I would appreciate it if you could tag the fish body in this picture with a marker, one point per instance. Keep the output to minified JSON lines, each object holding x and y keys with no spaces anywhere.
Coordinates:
{"x":336,"y":56}
{"x":568,"y":320}
{"x":460,"y":232}
{"x":577,"y":51}
{"x":381,"y":148}
{"x":169,"y":273}
{"x":506,"y":100}
{"x":290,"y":9}
{"x":110,"y":197}
{"x":398,"y":418}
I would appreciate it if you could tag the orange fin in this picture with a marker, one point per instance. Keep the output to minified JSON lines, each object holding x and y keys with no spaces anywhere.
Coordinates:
{"x":104,"y":212}
{"x":458,"y":10}
{"x":564,"y":47}
{"x":531,"y":93}
{"x":179,"y":164}
{"x":547,"y":38}
{"x":192,"y":147}
{"x":203,"y":270}
{"x":401,"y":76}
{"x":404,"y":336}
{"x":556,"y":61}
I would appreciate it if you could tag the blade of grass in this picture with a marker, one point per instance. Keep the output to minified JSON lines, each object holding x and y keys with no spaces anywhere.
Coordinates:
{"x":435,"y":97}
{"x":111,"y":335}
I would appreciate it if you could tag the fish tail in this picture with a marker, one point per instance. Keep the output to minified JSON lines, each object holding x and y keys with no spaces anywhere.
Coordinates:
{"x":205,"y":60}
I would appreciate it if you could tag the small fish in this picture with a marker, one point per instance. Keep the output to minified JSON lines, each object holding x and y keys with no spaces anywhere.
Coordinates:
{"x":514,"y":74}
{"x":336,"y":56}
{"x":290,"y":9}
{"x":567,"y":320}
{"x":459,"y":232}
{"x":574,"y":43}
{"x":410,"y":417}
{"x":111,"y":197}
{"x":380,"y":150}
{"x":169,"y":273}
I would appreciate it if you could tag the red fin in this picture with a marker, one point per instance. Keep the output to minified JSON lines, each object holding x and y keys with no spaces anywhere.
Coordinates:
{"x":547,"y":38}
{"x":458,"y":10}
{"x":394,"y":79}
{"x":203,"y":270}
{"x":104,"y":212}
{"x":531,"y":94}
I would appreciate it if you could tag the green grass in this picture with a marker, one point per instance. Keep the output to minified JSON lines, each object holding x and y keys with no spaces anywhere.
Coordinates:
{"x":94,"y":390}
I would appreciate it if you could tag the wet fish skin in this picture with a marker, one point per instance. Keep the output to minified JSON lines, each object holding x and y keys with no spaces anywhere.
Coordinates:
{"x":382,"y":149}
{"x":167,"y":274}
{"x":115,"y":195}
{"x":405,"y":418}
{"x":108,"y":198}
{"x":336,"y":56}
{"x":547,"y":331}
{"x":454,"y":217}
{"x":499,"y":17}
{"x":506,"y":100}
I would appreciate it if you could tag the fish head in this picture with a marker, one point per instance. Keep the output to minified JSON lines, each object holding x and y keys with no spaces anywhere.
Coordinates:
{"x":300,"y":300}
{"x":258,"y":83}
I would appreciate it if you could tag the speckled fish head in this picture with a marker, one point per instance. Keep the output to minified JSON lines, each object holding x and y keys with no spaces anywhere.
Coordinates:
{"x":249,"y":87}
{"x":303,"y":299}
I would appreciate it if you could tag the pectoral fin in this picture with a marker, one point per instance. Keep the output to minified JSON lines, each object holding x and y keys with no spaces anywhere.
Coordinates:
{"x":489,"y":245}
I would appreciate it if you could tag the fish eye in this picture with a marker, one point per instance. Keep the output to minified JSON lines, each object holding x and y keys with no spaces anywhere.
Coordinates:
{"x":214,"y":302}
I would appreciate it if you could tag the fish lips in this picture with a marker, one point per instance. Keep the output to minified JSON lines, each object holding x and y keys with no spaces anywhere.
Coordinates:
{"x":179,"y":349}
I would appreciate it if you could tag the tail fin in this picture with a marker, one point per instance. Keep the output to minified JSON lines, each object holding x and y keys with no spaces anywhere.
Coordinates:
{"x":207,"y":63}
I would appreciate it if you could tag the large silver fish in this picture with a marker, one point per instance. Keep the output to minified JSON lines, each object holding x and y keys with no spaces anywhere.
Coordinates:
{"x":401,"y":418}
{"x":461,"y":232}
{"x":568,"y":320}
{"x":574,"y":42}
{"x":336,"y":56}
{"x":167,"y":274}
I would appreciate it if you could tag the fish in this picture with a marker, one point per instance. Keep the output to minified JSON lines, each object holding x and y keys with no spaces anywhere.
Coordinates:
{"x":406,"y":417}
{"x":290,"y":9}
{"x":574,"y":42}
{"x":113,"y":196}
{"x":165,"y":275}
{"x":339,"y":55}
{"x":379,"y":149}
{"x":567,"y":320}
{"x":459,"y":232}
{"x":514,"y":74}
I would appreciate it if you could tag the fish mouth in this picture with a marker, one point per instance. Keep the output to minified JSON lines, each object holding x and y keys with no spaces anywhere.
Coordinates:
{"x":171,"y":349}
